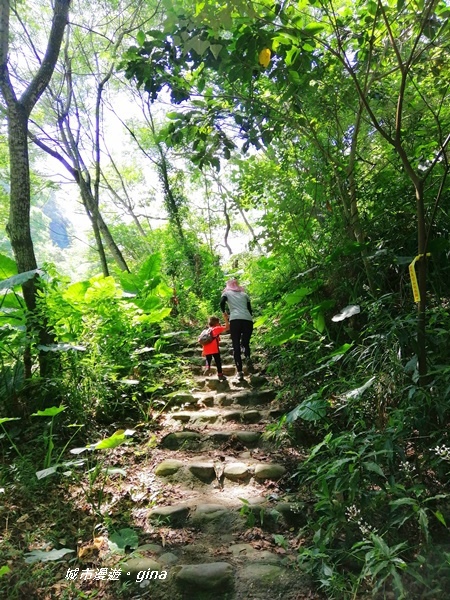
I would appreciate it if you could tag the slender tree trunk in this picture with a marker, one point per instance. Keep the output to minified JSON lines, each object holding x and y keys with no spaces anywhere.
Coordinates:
{"x":422,"y":282}
{"x":227,"y":229}
{"x":355,"y":222}
{"x":19,"y":231}
{"x":18,"y":114}
{"x":18,"y":228}
{"x":98,"y":243}
{"x":95,"y":215}
{"x":171,"y":204}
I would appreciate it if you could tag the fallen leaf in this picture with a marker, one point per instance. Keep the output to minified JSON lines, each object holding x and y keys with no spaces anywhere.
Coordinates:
{"x":23,"y":518}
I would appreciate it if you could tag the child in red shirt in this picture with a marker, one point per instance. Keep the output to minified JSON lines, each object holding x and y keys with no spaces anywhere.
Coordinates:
{"x":212,"y":349}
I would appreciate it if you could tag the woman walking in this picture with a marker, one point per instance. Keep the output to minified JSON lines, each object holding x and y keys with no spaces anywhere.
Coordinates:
{"x":241,"y":322}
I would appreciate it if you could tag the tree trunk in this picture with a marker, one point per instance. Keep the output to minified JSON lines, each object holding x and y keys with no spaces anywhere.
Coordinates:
{"x":18,"y":113}
{"x":18,"y":227}
{"x":355,"y":222}
{"x":100,"y":226}
{"x":422,"y":282}
{"x":99,"y":244}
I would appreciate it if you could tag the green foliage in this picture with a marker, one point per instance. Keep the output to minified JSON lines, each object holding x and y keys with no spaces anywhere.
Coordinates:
{"x":124,"y":539}
{"x":4,"y":570}
{"x":48,"y":438}
{"x":100,"y":327}
{"x":13,"y":333}
{"x":5,"y":420}
{"x":193,"y":273}
{"x":253,"y":515}
{"x":97,"y":469}
{"x":105,"y":323}
{"x":380,"y":499}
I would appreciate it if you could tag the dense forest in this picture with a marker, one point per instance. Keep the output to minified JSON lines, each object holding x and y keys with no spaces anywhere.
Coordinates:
{"x":150,"y":151}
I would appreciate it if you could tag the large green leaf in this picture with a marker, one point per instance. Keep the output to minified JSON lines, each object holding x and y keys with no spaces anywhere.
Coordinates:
{"x":16,"y":280}
{"x":163,"y":290}
{"x":102,"y":289}
{"x":319,"y":322}
{"x":140,"y":37}
{"x":313,"y":28}
{"x":4,"y":570}
{"x":338,"y":352}
{"x":155,"y":316}
{"x":42,"y":556}
{"x":6,"y":419}
{"x":149,"y":304}
{"x":11,"y":301}
{"x":357,"y":392}
{"x":282,"y":338}
{"x":260,"y":321}
{"x":8,"y":267}
{"x":374,"y":467}
{"x":308,"y":410}
{"x":297,"y":296}
{"x":118,"y":438}
{"x":76,"y":292}
{"x":151,"y":268}
{"x":130,"y":282}
{"x":46,"y":472}
{"x":125,"y":538}
{"x":49,"y":412}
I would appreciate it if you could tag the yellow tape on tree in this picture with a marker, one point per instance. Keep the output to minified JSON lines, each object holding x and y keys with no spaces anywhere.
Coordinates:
{"x":412,"y":275}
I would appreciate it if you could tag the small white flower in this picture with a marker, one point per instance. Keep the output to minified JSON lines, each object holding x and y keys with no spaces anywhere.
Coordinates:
{"x":442,"y":451}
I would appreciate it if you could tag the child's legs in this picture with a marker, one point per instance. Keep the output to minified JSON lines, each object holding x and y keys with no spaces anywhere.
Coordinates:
{"x":218,"y":361}
{"x":247,"y":330}
{"x":208,"y":358}
{"x":235,"y":332}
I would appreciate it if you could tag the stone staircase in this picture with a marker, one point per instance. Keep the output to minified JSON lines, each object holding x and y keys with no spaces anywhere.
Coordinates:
{"x":225,"y":523}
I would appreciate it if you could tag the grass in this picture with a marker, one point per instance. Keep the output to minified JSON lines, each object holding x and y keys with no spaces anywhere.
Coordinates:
{"x":54,"y":513}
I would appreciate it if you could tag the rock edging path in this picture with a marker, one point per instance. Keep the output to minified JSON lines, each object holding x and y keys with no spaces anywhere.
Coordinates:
{"x":225,"y":527}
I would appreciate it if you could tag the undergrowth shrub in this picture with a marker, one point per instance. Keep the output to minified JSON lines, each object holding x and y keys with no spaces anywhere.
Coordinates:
{"x":110,"y":338}
{"x":376,"y":475}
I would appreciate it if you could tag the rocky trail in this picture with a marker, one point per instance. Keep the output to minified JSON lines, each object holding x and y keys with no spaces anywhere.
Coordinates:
{"x":227,"y":524}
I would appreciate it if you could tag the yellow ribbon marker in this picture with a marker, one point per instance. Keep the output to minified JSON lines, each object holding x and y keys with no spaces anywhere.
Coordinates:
{"x":412,"y":275}
{"x":264,"y":57}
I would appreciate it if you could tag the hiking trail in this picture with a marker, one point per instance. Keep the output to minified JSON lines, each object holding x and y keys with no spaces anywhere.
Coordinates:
{"x":225,"y":522}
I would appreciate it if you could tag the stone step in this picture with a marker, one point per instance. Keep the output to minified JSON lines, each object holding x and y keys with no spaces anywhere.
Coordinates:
{"x":214,"y":576}
{"x":244,"y":572}
{"x":219,"y":394}
{"x":253,"y":397}
{"x":230,"y":470}
{"x":253,"y":379}
{"x":241,"y":394}
{"x":237,"y":516}
{"x":239,"y":572}
{"x":195,"y":440}
{"x":198,"y":363}
{"x":218,"y":416}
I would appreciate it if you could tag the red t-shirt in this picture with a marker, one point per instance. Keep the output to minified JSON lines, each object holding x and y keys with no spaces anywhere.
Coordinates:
{"x":213,"y":347}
